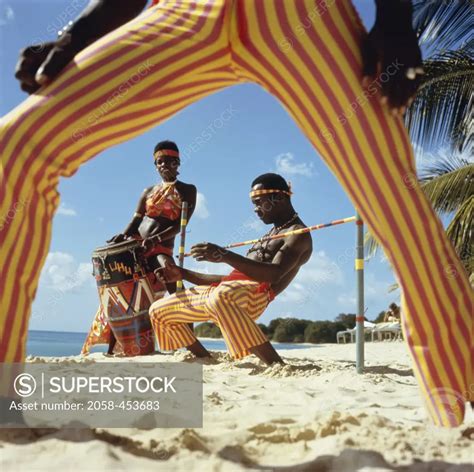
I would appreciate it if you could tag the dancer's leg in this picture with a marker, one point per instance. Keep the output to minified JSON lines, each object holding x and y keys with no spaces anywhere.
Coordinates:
{"x":122,"y":85}
{"x":307,"y":54}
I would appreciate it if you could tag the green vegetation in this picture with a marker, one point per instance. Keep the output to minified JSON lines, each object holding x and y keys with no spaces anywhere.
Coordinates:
{"x":292,"y":330}
{"x":207,"y":330}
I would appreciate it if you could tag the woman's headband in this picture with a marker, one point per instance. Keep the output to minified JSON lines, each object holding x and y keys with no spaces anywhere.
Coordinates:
{"x":166,"y":152}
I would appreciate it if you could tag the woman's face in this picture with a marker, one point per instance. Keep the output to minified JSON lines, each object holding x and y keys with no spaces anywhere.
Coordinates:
{"x":167,"y":167}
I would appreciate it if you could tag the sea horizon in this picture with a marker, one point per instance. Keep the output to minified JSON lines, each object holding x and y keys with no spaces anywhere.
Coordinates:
{"x":69,"y":343}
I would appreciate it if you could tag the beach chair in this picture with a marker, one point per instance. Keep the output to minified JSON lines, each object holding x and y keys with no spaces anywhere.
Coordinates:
{"x":368,"y":327}
{"x":343,"y":335}
{"x":390,"y":330}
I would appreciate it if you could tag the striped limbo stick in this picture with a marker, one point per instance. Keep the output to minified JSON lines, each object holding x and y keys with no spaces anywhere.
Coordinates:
{"x":184,"y":222}
{"x":288,"y":233}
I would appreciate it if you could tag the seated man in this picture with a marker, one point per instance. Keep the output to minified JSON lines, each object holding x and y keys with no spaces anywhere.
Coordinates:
{"x":235,"y":301}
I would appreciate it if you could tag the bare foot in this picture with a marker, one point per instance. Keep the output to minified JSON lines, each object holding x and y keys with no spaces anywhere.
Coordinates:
{"x":266,"y":353}
{"x":198,"y":349}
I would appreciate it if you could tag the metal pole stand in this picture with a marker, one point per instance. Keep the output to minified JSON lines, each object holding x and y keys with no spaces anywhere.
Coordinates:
{"x":359,"y":267}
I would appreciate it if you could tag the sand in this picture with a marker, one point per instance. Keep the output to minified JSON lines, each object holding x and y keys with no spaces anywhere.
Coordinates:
{"x":314,"y":414}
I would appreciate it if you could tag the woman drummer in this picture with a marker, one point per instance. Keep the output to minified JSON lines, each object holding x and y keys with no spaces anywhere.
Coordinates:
{"x":156,"y":222}
{"x":157,"y":218}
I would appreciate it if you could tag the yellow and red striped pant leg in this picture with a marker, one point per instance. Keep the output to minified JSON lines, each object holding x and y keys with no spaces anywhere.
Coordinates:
{"x":116,"y":89}
{"x":170,"y":317}
{"x":232,"y":305}
{"x":307,"y":54}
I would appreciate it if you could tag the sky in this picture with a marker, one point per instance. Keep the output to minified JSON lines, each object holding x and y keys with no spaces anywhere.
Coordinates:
{"x":226,"y":140}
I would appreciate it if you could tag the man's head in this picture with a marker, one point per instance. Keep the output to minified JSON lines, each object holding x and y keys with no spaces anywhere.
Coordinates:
{"x":394,"y":308}
{"x":166,"y":156}
{"x":270,"y":195}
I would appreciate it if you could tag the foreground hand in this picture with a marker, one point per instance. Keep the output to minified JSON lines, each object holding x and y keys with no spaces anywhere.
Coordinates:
{"x":392,"y":64}
{"x":170,"y":273}
{"x":28,"y":64}
{"x":208,"y":252}
{"x":40,"y":64}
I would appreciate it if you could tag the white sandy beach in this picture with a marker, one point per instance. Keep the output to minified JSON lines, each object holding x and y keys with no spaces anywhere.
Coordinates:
{"x":314,"y":414}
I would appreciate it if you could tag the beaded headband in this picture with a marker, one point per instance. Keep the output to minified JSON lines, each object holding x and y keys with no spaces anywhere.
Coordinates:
{"x":265,"y":191}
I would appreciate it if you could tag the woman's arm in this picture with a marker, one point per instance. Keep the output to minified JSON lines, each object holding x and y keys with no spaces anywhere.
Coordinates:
{"x":132,"y":228}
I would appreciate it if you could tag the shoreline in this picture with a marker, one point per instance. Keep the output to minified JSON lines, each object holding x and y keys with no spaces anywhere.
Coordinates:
{"x":199,"y":337}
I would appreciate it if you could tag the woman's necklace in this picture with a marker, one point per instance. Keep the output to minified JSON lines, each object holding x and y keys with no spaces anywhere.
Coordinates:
{"x":264,"y":242}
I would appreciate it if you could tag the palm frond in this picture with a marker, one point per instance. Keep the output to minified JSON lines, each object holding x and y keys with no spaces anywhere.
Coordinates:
{"x":371,"y":245}
{"x":461,"y":233}
{"x":391,"y":288}
{"x":441,"y":114}
{"x":442,"y":25}
{"x":448,"y":183}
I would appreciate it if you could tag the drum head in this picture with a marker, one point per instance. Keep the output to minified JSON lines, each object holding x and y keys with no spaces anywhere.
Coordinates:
{"x":118,"y":263}
{"x":117,"y":247}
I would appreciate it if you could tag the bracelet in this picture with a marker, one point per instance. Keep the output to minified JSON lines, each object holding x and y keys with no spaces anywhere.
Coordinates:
{"x":64,"y":29}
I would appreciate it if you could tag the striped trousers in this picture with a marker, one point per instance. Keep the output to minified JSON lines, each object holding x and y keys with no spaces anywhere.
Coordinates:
{"x":232,"y":305}
{"x":306,"y":53}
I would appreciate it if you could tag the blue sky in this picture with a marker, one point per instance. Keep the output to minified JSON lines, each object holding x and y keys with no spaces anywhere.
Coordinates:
{"x":250,"y":134}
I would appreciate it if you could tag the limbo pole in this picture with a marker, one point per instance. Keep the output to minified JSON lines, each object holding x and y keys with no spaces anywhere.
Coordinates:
{"x":359,"y":268}
{"x":289,"y":233}
{"x":182,"y":240}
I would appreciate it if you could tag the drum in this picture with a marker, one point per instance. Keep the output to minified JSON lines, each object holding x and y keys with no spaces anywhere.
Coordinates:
{"x":127,"y":288}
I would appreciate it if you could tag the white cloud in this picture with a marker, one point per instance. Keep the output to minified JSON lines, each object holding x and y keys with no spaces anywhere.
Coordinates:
{"x":314,"y":277}
{"x":62,"y":272}
{"x":208,"y":268}
{"x":201,"y":210}
{"x":376,"y":295}
{"x":66,"y":211}
{"x":6,"y":15}
{"x":286,"y":165}
{"x":320,"y":269}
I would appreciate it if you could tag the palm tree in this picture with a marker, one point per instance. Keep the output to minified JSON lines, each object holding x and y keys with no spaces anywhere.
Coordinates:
{"x":441,"y":114}
{"x":440,"y":120}
{"x":449,"y":185}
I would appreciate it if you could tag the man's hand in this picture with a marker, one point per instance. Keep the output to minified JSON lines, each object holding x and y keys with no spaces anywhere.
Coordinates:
{"x":39,"y":65}
{"x":391,"y":55}
{"x":31,"y":59}
{"x":393,"y":63}
{"x":208,"y":252}
{"x":58,"y":58}
{"x":169,"y":273}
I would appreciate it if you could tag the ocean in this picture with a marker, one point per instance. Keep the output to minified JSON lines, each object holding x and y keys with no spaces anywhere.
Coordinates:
{"x":60,"y":343}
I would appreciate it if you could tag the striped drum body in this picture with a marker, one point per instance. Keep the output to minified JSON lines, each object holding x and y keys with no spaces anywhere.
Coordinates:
{"x":126,"y":292}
